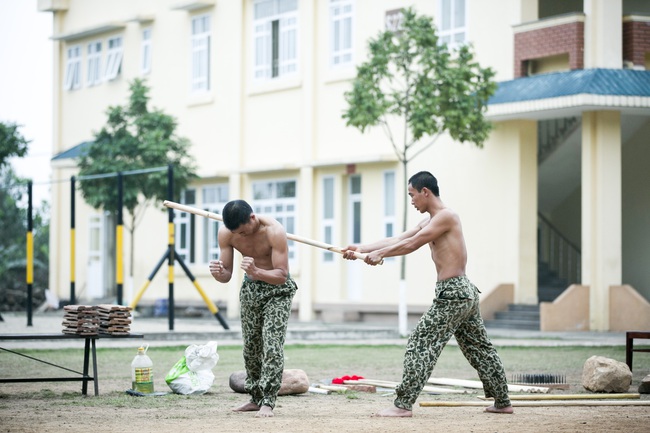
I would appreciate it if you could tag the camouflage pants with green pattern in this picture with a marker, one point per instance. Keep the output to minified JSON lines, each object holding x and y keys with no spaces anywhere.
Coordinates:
{"x":265,"y":311}
{"x":455,"y":311}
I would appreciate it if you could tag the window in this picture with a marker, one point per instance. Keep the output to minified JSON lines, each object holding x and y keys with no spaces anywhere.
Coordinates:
{"x":73,"y":68}
{"x":452,"y":22}
{"x":145,"y":67}
{"x":355,"y":208}
{"x":328,"y":216}
{"x":389,"y":205}
{"x":278,"y":200}
{"x":113,"y":58}
{"x":276,"y":38}
{"x":215,"y":198}
{"x":94,"y":60}
{"x":184,"y":242}
{"x":341,"y":32}
{"x":200,"y":53}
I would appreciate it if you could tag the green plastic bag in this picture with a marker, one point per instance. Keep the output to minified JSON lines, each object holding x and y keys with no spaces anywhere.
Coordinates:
{"x":178,"y":369}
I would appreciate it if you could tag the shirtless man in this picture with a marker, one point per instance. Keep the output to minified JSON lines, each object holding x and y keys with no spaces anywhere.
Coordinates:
{"x":455,"y":310}
{"x":265,"y":298}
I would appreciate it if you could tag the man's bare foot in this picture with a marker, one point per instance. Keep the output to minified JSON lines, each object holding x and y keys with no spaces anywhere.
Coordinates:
{"x":247,"y":407}
{"x":264,"y":412}
{"x":394,"y":411}
{"x":494,"y":409}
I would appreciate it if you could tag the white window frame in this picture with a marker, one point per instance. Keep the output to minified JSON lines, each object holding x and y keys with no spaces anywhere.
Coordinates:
{"x":184,"y":228}
{"x":354,"y":199}
{"x":145,"y":66}
{"x":214,"y":198}
{"x":450,"y":31}
{"x":342,"y":32}
{"x":73,"y":68}
{"x":328,"y":217}
{"x":94,"y":63}
{"x":200,"y":53}
{"x":268,"y":201}
{"x":114,"y":54}
{"x":267,"y":64}
{"x":389,"y":223}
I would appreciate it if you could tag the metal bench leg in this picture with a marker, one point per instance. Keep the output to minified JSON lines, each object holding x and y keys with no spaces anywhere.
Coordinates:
{"x":95,"y":378}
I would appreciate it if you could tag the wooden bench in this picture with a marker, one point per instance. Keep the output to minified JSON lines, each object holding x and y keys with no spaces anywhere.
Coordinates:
{"x":89,"y":348}
{"x":630,"y":336}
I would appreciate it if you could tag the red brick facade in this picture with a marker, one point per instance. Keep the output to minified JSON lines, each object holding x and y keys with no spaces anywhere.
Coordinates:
{"x":539,"y":43}
{"x":636,"y":41}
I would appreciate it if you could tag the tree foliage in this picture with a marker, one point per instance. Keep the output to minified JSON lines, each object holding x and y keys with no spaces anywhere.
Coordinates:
{"x":135,"y":137}
{"x":12,"y":143}
{"x":412,"y":80}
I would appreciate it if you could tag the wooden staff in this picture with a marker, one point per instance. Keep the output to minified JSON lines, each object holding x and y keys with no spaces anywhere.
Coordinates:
{"x":214,"y":216}
{"x":541,"y":403}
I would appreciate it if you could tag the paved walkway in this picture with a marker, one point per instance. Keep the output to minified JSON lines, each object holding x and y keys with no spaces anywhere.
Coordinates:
{"x":185,"y":331}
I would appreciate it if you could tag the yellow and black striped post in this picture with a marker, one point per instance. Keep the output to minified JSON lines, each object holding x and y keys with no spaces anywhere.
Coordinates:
{"x":119,"y":236}
{"x":30,"y":254}
{"x":73,"y":296}
{"x":170,"y":251}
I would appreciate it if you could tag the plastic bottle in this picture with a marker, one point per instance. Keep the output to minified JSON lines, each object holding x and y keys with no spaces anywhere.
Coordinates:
{"x":142,"y":372}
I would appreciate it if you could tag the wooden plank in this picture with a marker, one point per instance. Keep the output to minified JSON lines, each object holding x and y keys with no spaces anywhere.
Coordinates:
{"x":477,"y":384}
{"x":539,"y":403}
{"x":393,"y":385}
{"x":570,"y":397}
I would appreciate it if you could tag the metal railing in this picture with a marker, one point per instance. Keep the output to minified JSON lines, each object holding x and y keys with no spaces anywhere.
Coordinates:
{"x":562,"y":256}
{"x":552,"y":133}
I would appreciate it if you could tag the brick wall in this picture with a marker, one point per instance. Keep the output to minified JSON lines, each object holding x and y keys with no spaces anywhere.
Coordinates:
{"x":550,"y":41}
{"x":636,"y":41}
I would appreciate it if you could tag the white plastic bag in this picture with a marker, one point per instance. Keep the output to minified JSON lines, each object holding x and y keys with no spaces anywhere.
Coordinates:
{"x":192,"y":374}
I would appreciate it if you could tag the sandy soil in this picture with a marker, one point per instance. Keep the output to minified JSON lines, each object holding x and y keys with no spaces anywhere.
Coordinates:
{"x":52,"y":408}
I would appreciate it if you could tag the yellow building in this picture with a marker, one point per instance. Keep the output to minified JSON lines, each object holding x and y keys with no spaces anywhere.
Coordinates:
{"x":560,"y":188}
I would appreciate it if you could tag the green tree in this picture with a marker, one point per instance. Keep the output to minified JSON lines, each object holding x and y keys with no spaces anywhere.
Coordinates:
{"x":12,"y":143}
{"x":135,"y":137}
{"x":413,"y":82}
{"x":13,"y":244}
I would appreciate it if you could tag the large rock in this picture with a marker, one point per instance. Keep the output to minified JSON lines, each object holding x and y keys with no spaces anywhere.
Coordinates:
{"x":294,"y":381}
{"x":644,"y":388}
{"x":601,"y":374}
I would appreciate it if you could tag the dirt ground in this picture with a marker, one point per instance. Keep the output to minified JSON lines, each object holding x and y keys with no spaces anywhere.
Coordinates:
{"x":46,"y":408}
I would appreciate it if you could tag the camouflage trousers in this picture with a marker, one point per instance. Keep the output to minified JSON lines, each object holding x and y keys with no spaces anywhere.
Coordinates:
{"x":265,"y":311}
{"x":455,"y":311}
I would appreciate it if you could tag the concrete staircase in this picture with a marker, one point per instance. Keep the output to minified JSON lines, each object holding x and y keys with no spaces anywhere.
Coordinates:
{"x":519,"y":316}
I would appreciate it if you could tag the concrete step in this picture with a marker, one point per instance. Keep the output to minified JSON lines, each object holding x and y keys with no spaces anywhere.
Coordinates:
{"x":529,"y":325}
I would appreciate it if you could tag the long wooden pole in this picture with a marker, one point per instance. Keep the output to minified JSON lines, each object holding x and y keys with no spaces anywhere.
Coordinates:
{"x":540,"y":403}
{"x":570,"y":397}
{"x":477,"y":384}
{"x":214,"y":216}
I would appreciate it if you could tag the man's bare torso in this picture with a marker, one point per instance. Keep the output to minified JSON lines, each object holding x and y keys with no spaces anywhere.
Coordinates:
{"x":448,"y":250}
{"x":257,"y":245}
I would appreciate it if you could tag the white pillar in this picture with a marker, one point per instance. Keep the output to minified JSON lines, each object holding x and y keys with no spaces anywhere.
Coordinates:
{"x":526,"y":289}
{"x":603,"y":34}
{"x":601,"y":211}
{"x":306,"y":191}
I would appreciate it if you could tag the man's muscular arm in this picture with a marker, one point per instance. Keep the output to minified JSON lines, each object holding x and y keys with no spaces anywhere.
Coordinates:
{"x":221,"y":269}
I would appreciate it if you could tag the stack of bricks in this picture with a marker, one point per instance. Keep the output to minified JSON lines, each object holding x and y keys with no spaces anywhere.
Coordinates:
{"x":80,"y":320}
{"x":114,"y":319}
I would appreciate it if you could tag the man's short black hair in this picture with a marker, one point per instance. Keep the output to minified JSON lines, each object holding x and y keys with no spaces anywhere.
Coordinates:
{"x":424,"y":179}
{"x":236,"y":213}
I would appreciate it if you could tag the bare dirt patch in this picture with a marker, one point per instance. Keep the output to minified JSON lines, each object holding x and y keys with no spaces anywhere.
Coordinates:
{"x":59,"y":407}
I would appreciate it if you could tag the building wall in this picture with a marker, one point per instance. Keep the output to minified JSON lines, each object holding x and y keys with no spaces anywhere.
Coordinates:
{"x":245,"y":131}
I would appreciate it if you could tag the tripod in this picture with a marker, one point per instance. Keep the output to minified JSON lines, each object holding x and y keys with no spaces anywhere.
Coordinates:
{"x":175,"y":257}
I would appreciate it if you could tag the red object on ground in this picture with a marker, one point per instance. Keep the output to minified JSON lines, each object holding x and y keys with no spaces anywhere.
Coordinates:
{"x":340,"y":380}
